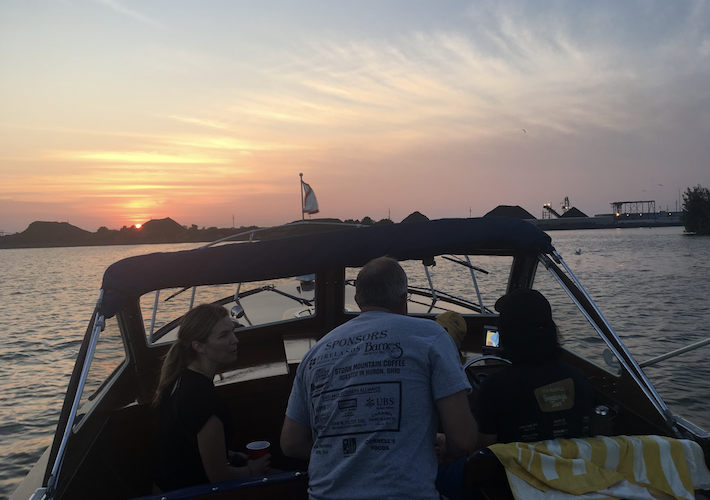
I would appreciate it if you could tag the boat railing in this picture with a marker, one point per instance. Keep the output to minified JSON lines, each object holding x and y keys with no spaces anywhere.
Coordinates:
{"x":631,"y":359}
{"x":673,"y":354}
{"x":436,"y":294}
{"x":154,"y":337}
{"x":627,"y":360}
{"x":99,"y":324}
{"x":467,"y":263}
{"x":252,"y":232}
{"x":471,"y":268}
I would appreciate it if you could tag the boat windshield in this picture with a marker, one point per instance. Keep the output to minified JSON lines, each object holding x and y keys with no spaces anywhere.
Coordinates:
{"x":108,"y":360}
{"x":577,"y":332}
{"x":465,"y":284}
{"x":259,"y":303}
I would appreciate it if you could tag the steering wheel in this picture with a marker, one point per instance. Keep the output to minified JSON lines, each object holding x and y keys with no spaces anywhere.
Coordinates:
{"x":473,"y":376}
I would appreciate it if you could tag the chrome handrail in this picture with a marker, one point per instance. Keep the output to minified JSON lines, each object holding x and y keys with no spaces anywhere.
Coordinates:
{"x":252,"y":232}
{"x":99,"y":325}
{"x":475,"y":284}
{"x":152,"y":320}
{"x":434,"y":298}
{"x":613,"y":332}
{"x":628,"y":361}
{"x":673,"y":354}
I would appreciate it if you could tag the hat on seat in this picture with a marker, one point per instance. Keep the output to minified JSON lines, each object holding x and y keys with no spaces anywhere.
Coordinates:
{"x":454,"y":324}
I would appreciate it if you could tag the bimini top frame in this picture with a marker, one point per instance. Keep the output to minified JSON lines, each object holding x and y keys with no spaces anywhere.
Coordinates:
{"x":312,"y":253}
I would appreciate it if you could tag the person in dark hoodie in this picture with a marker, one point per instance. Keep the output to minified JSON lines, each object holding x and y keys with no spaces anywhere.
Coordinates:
{"x":537,"y":397}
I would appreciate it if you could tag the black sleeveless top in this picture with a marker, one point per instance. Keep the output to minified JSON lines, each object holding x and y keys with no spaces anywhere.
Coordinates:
{"x":184,"y":409}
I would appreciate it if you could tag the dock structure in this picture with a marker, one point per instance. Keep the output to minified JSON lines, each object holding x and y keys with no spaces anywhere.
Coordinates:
{"x":634,"y":207}
{"x":640,"y":213}
{"x":548,"y":211}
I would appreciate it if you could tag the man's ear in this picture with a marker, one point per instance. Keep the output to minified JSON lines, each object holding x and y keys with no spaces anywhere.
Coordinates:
{"x":356,"y":301}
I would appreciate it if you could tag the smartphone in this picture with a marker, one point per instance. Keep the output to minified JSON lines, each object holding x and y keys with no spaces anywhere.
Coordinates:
{"x":492,"y":337}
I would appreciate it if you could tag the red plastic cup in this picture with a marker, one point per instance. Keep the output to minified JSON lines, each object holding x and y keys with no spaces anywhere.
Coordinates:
{"x":258,"y":449}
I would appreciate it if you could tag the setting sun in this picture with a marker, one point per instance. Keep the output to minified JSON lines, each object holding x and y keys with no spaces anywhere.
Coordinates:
{"x":138,"y":226}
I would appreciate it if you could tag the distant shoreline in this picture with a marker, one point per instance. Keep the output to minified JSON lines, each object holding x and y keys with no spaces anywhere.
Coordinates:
{"x":163,"y":231}
{"x":167,"y":231}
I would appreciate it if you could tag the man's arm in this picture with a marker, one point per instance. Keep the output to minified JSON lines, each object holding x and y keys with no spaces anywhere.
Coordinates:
{"x":296,"y":439}
{"x":460,"y":428}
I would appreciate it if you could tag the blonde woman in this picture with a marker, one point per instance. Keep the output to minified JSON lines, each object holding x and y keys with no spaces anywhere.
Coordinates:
{"x":196,"y":428}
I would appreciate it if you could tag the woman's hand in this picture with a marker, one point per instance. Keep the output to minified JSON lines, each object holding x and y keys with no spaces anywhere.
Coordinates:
{"x":210,"y":442}
{"x":260,"y":466}
{"x":237,"y":458}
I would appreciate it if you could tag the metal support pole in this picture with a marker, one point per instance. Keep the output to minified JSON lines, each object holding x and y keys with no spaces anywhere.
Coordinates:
{"x":303,"y":217}
{"x":431,"y":287}
{"x":152,"y":321}
{"x":99,"y":324}
{"x":475,"y":284}
{"x":675,"y":353}
{"x":628,"y":361}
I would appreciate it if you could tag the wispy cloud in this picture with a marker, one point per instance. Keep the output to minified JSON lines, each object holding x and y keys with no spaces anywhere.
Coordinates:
{"x":121,"y":9}
{"x":142,"y":157}
{"x":231,"y":144}
{"x":202,"y":122}
{"x":503,"y":73}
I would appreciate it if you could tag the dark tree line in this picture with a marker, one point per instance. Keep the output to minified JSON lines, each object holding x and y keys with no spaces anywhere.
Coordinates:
{"x":696,"y":210}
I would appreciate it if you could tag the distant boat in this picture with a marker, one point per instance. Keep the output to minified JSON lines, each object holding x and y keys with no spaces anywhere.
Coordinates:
{"x":578,"y":251}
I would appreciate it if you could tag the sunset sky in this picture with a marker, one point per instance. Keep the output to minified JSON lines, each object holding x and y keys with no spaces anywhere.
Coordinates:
{"x":113,"y":112}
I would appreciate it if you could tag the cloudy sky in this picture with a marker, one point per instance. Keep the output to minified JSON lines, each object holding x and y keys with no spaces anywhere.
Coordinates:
{"x":113,"y":112}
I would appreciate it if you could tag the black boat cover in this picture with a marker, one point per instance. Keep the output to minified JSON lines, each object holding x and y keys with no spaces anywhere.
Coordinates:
{"x":311,"y":253}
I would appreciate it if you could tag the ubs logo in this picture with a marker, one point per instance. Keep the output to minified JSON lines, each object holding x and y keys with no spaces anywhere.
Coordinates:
{"x":349,"y":446}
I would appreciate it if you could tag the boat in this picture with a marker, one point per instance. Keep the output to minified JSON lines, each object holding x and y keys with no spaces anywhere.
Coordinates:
{"x":287,"y":293}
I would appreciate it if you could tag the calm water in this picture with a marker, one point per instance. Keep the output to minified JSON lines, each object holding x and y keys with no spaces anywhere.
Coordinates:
{"x":652,"y":284}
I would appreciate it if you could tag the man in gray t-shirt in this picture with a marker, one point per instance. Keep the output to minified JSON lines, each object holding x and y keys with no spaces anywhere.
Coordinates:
{"x":367,"y":398}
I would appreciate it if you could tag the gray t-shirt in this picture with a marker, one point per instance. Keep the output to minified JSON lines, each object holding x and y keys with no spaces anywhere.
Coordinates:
{"x":368,"y":391}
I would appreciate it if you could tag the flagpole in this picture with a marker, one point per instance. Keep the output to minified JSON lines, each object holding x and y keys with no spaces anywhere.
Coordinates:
{"x":303,"y":217}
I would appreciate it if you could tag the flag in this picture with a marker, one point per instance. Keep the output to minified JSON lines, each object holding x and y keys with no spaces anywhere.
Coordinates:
{"x":310,"y":204}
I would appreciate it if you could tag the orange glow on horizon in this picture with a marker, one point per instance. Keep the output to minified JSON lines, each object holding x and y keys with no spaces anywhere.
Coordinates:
{"x":138,"y":226}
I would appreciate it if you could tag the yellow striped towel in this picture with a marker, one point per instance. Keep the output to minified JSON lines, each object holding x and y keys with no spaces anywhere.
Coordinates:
{"x":629,"y":467}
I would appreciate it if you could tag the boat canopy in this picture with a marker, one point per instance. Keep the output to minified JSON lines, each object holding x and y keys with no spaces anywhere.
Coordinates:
{"x":312,"y":253}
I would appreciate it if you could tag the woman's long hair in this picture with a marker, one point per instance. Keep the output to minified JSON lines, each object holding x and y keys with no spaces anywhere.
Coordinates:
{"x":196,"y":325}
